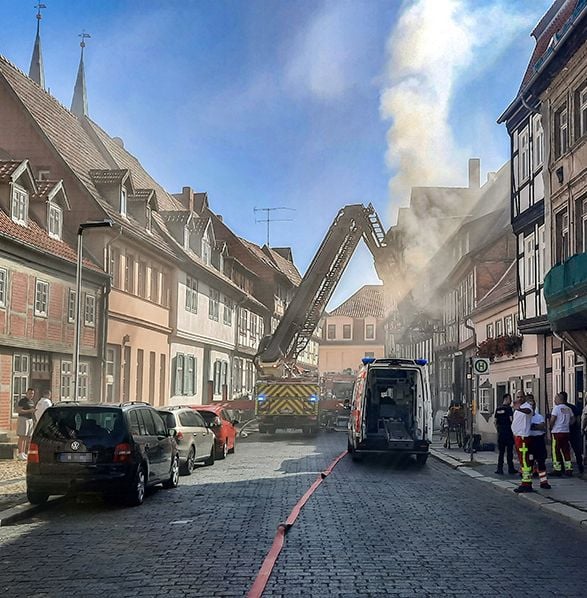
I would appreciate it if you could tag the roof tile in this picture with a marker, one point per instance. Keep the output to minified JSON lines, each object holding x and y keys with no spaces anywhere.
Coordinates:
{"x":368,"y":301}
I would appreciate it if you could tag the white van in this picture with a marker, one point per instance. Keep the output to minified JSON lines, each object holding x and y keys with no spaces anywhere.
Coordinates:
{"x":391,"y":409}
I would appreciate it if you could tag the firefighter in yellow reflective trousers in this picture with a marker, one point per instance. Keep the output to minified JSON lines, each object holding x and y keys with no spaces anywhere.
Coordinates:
{"x":561,"y":420}
{"x":521,"y":426}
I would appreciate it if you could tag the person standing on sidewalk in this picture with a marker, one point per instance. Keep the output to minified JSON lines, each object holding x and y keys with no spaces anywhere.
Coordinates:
{"x":25,"y":423}
{"x":538,"y":444}
{"x":561,"y":419}
{"x":502,"y":420}
{"x":43,"y":403}
{"x":521,"y":426}
{"x":576,"y":435}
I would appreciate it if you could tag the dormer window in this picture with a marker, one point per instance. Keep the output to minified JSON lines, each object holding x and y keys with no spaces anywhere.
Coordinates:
{"x":123,"y":201}
{"x":55,"y":221}
{"x":148,"y":216}
{"x":20,"y":205}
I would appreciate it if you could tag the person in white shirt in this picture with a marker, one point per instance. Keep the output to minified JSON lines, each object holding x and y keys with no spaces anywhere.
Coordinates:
{"x":561,"y":419}
{"x":521,"y":426}
{"x":42,"y":404}
{"x":538,"y":444}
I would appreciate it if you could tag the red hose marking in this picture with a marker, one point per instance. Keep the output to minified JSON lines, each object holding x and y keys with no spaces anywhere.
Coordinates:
{"x":268,"y":565}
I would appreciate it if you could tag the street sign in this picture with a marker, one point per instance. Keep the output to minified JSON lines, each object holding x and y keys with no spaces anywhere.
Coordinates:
{"x":480,"y":365}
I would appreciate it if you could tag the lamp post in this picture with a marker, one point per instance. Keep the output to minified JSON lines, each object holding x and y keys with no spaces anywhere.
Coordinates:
{"x":78,"y":296}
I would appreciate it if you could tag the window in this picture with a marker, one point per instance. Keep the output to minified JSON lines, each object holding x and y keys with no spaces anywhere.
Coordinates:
{"x":509,"y":325}
{"x":224,"y":374}
{"x":216,"y":377}
{"x":369,"y":354}
{"x":206,"y":250}
{"x":557,"y":383}
{"x":185,"y":374}
{"x":499,"y":328}
{"x":140,"y":369}
{"x":529,"y":262}
{"x":19,"y":207}
{"x":561,"y":127}
{"x":562,"y":235}
{"x":346,"y":331}
{"x":243,"y":321}
{"x":83,"y":381}
{"x":41,"y":298}
{"x":20,"y":378}
{"x":148,"y":219}
{"x":55,"y":220}
{"x":90,"y":310}
{"x":570,"y":375}
{"x":142,"y":279}
{"x":146,"y":417}
{"x":129,"y":274}
{"x":524,"y":155}
{"x":114,"y":267}
{"x":111,"y":371}
{"x":489,"y":331}
{"x":541,"y":254}
{"x":3,"y":286}
{"x":191,"y":295}
{"x":214,"y":304}
{"x":164,"y":290}
{"x":227,"y":311}
{"x":71,"y":306}
{"x":66,"y":380}
{"x":581,"y":102}
{"x":331,"y":331}
{"x":538,"y":142}
{"x":154,"y":294}
{"x":485,"y":400}
{"x":369,"y":331}
{"x":123,"y":201}
{"x":253,"y":324}
{"x":179,"y":363}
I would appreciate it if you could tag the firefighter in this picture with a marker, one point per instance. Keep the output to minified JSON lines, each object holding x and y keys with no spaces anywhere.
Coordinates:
{"x":521,"y":425}
{"x":561,"y":419}
{"x":502,"y":420}
{"x":538,"y":444}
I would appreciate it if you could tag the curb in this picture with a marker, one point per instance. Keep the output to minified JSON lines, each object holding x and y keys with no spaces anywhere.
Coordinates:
{"x":539,"y":501}
{"x":24,"y":510}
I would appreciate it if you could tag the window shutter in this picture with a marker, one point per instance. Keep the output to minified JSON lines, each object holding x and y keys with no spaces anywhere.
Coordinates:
{"x":195,"y":377}
{"x":186,"y":375}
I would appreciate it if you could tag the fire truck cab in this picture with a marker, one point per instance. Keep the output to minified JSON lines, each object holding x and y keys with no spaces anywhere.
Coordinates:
{"x":391,"y":409}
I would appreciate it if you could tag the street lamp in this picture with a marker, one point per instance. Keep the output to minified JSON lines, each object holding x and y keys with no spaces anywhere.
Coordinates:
{"x":78,"y":296}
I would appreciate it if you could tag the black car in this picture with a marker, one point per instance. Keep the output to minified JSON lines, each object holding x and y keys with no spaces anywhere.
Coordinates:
{"x":115,"y":450}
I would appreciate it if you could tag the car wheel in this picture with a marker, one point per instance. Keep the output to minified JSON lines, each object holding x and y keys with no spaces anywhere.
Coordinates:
{"x":421,"y":459}
{"x":37,"y":498}
{"x":136,"y":495}
{"x":173,"y":480}
{"x":223,"y":451}
{"x":190,"y":462}
{"x":211,"y":458}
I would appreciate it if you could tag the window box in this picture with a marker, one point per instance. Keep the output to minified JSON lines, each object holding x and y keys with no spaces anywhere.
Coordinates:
{"x":500,"y":346}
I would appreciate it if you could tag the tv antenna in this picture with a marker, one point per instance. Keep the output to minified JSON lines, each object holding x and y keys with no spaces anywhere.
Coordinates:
{"x":268,"y":218}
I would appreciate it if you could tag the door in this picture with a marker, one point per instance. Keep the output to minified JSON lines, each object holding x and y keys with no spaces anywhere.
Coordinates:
{"x":206,"y":436}
{"x":152,"y":448}
{"x":229,"y":428}
{"x":197,"y":429}
{"x":164,"y":445}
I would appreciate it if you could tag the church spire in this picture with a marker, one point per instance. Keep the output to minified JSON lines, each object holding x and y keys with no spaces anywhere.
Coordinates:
{"x":36,"y":72}
{"x":79,"y":104}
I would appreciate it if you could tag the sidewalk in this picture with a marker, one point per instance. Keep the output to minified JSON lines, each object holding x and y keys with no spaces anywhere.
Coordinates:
{"x":12,"y":483}
{"x":568,"y":496}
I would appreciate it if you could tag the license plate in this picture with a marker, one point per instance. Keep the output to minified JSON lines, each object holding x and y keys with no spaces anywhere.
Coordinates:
{"x":75,"y":457}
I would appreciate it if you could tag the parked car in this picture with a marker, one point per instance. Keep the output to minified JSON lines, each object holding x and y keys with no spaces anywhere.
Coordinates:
{"x":116,"y":450}
{"x":219,"y":421}
{"x":195,"y":440}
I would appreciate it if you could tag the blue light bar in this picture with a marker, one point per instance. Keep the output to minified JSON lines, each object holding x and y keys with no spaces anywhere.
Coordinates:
{"x":313,"y":399}
{"x":260,"y":397}
{"x":368,"y":360}
{"x":421,"y":361}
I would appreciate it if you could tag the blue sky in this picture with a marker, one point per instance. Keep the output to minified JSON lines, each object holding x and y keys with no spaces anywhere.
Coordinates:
{"x":278,"y":103}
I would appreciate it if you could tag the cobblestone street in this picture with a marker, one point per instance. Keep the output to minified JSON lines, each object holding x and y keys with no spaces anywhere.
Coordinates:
{"x":370,"y":529}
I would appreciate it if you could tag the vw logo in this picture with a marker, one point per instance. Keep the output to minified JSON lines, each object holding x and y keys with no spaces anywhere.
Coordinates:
{"x":75,"y":445}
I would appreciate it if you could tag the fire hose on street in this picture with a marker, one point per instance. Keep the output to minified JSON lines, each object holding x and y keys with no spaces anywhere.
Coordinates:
{"x":268,"y":565}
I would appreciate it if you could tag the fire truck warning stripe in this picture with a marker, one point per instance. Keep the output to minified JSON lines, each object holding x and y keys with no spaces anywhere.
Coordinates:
{"x":288,"y":390}
{"x":266,"y":569}
{"x":278,"y":406}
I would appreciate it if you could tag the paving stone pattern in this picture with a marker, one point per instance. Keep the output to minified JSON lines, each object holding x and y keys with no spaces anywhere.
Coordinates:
{"x":371,"y":529}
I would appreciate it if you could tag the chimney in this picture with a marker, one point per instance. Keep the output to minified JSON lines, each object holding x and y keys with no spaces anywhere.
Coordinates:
{"x":186,"y":198}
{"x":474,"y":173}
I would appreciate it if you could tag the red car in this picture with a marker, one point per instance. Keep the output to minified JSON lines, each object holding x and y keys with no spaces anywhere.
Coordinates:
{"x":219,"y":421}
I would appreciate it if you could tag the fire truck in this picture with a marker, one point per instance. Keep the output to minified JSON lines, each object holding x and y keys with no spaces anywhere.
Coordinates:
{"x":286,"y":396}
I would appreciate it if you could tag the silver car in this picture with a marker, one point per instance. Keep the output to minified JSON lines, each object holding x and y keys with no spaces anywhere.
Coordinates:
{"x":195,"y":440}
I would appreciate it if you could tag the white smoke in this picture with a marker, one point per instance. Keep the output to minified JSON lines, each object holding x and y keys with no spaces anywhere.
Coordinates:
{"x":435,"y":46}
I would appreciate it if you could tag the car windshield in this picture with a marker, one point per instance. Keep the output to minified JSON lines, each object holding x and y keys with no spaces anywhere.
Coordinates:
{"x":81,"y":423}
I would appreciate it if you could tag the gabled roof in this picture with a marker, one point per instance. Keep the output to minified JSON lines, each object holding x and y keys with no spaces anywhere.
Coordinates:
{"x":176,"y":216}
{"x":47,"y":190}
{"x":14,"y":169}
{"x":284,"y":265}
{"x":35,"y":237}
{"x":107,"y":176}
{"x":368,"y":301}
{"x":506,"y":288}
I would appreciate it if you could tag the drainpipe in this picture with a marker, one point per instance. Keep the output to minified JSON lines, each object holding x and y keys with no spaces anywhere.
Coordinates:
{"x":470,"y":385}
